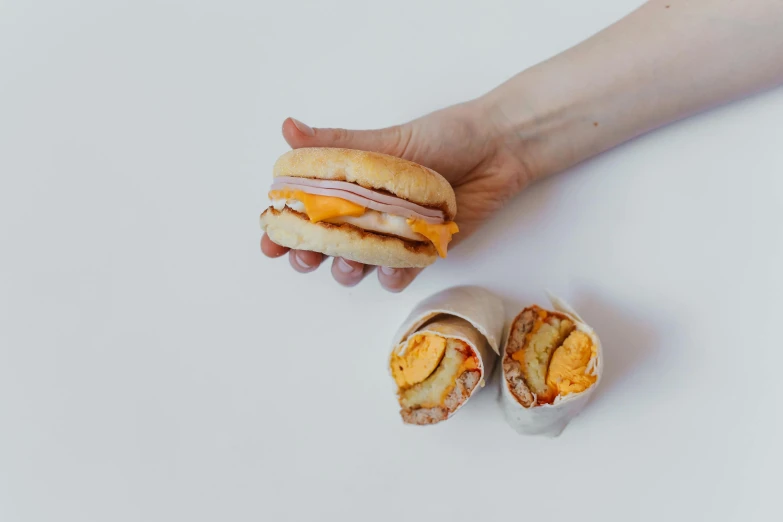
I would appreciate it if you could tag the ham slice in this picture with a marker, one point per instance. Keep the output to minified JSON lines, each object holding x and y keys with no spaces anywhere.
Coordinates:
{"x":361,"y":196}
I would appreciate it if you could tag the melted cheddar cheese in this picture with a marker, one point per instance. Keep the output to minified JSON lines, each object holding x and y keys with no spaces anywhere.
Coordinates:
{"x":320,"y":208}
{"x":439,"y":235}
{"x":329,"y":208}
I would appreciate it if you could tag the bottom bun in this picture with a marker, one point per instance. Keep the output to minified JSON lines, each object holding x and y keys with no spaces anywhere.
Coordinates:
{"x":293,"y":230}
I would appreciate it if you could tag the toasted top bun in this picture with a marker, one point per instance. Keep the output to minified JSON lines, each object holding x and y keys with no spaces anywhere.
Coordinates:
{"x":372,"y":170}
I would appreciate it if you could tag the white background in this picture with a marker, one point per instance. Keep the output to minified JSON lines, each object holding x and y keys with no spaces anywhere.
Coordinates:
{"x":155,"y":367}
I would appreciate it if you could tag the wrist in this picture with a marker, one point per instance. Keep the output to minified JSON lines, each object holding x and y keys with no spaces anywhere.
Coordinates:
{"x":546,"y":125}
{"x":521,"y":130}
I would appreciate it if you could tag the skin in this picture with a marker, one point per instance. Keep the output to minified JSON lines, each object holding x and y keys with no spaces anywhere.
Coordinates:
{"x":665,"y":61}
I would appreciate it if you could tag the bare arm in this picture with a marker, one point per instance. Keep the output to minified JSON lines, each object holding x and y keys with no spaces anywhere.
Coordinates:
{"x":665,"y":61}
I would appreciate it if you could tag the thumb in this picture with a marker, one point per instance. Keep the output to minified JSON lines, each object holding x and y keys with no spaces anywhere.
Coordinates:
{"x":391,"y":140}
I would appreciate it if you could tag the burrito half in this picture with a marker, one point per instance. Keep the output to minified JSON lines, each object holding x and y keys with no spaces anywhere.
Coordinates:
{"x":551,"y":363}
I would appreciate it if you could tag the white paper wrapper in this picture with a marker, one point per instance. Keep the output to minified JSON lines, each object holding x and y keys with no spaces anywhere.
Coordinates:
{"x":476,"y":305}
{"x":551,"y":419}
{"x":483,"y":310}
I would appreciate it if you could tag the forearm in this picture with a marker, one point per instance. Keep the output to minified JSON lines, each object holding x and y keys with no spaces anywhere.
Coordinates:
{"x":665,"y":61}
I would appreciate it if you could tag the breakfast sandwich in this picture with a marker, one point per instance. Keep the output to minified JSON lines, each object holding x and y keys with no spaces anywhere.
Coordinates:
{"x":363,"y":206}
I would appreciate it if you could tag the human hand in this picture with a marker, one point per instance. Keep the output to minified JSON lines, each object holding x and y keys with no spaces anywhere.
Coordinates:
{"x":643,"y":72}
{"x":460,"y":142}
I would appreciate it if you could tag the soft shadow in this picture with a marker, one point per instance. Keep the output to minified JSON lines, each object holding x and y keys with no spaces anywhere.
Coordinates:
{"x":628,"y":340}
{"x":523,"y":214}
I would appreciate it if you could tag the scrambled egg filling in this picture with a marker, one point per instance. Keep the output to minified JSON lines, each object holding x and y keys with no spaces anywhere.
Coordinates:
{"x":428,"y":370}
{"x":338,"y":210}
{"x":555,"y":359}
{"x":423,"y":355}
{"x":570,"y":370}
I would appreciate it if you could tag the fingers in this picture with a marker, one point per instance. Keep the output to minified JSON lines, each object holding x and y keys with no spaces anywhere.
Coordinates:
{"x":270,"y":248}
{"x":304,"y":261}
{"x":397,"y":279}
{"x":348,"y":273}
{"x":391,"y":140}
{"x":345,"y":272}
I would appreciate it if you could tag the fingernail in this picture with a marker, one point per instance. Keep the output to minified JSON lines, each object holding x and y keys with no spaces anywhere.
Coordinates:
{"x":301,"y":262}
{"x":390,"y":272}
{"x":344,"y":267}
{"x":303,"y":128}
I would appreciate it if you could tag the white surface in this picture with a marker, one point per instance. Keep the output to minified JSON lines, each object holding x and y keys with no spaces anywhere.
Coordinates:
{"x":154,"y":367}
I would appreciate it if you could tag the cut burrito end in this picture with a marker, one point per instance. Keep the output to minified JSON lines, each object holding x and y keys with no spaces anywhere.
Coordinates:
{"x":434,"y":376}
{"x":547,"y":357}
{"x":388,"y":199}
